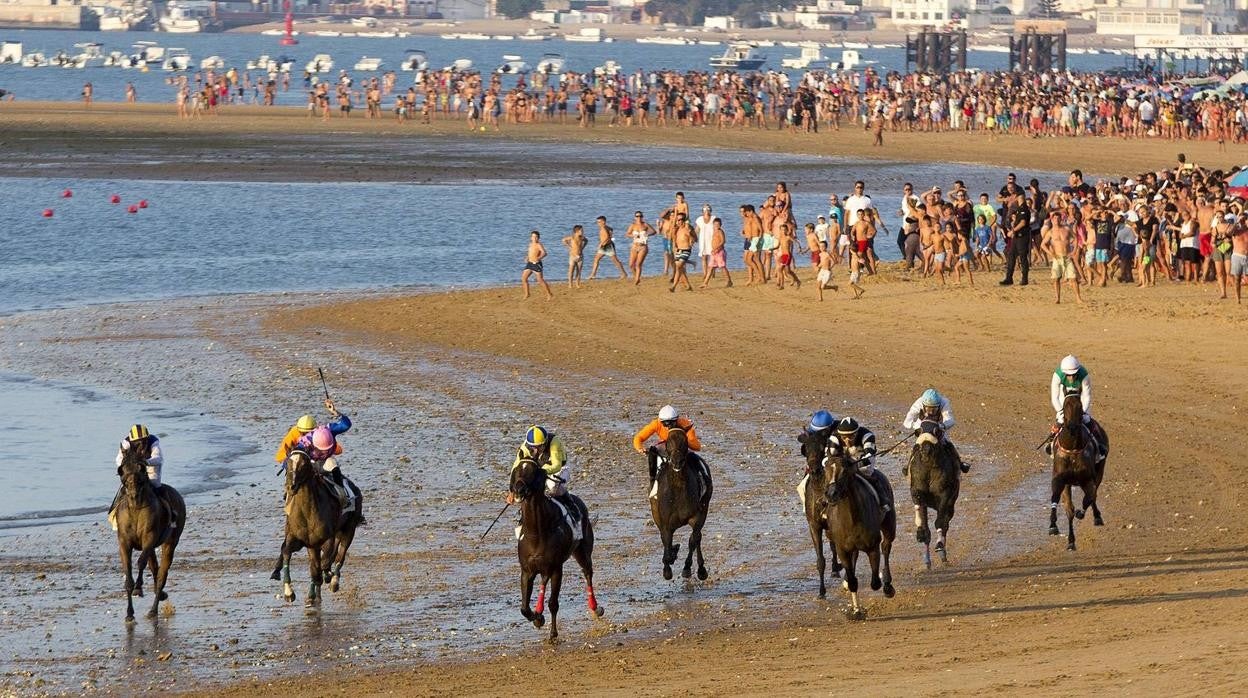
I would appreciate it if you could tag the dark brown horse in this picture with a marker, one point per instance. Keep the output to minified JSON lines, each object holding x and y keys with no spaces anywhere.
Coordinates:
{"x":315,"y":520}
{"x":1077,"y":461}
{"x":146,"y":520}
{"x":934,"y":484}
{"x":814,"y":450}
{"x":547,"y":540}
{"x":683,"y":498}
{"x":858,"y":523}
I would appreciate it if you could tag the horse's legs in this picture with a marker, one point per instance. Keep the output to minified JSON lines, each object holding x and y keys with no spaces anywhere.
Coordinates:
{"x":1053,"y":500}
{"x":695,"y":547}
{"x":154,"y":565}
{"x":124,"y":549}
{"x":584,"y":558}
{"x":289,"y":547}
{"x":1089,"y":502}
{"x":166,"y":555}
{"x":836,"y":559}
{"x":277,"y":569}
{"x":873,"y":557}
{"x":816,"y":536}
{"x":944,"y":515}
{"x":923,"y":534}
{"x":886,"y":551}
{"x":670,"y":551}
{"x":345,"y":538}
{"x":556,"y":581}
{"x":526,"y":594}
{"x":1068,"y":500}
{"x":314,"y":572}
{"x":849,"y":560}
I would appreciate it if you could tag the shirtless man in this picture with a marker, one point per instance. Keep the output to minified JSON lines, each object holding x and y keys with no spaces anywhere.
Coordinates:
{"x":752,"y":231}
{"x":576,"y":255}
{"x":683,"y":240}
{"x":942,"y":240}
{"x":1057,"y":243}
{"x":863,"y":231}
{"x":719,"y":256}
{"x":824,"y":278}
{"x":1239,"y":256}
{"x":812,"y":247}
{"x":784,"y":257}
{"x":606,"y":248}
{"x":533,"y":265}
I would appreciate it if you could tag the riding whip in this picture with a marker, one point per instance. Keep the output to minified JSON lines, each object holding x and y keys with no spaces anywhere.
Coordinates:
{"x":496,"y":518}
{"x":894,"y":446}
{"x":1046,"y":440}
{"x":324,"y":386}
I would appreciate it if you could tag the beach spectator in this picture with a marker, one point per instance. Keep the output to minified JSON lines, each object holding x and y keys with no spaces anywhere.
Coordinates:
{"x":576,"y":254}
{"x":533,"y":265}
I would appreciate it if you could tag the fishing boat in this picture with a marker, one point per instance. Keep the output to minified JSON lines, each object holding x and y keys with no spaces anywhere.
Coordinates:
{"x":739,"y":56}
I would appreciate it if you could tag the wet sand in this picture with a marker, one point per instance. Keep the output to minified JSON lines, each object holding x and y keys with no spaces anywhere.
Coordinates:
{"x":442,"y":385}
{"x":279,"y":144}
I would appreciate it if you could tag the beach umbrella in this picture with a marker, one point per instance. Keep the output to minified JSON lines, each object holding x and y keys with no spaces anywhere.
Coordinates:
{"x":1237,"y":185}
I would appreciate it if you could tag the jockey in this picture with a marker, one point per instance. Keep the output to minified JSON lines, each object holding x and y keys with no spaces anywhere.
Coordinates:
{"x":858,"y":443}
{"x":321,"y":445}
{"x":1072,"y":378}
{"x":932,"y":406}
{"x":305,"y":424}
{"x":821,"y":424}
{"x":547,"y":449}
{"x":667,"y":420}
{"x":139,"y":437}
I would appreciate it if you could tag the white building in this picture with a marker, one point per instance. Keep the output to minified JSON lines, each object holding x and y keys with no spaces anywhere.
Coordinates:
{"x":724,"y":22}
{"x":923,"y":13}
{"x":1165,"y":17}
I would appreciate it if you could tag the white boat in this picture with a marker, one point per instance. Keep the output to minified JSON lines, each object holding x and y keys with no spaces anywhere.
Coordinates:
{"x":591,"y":35}
{"x":791,"y":44}
{"x":503,"y":37}
{"x":114,"y":23}
{"x":739,"y":56}
{"x":376,"y":35}
{"x":275,"y":32}
{"x":532,"y":35}
{"x":414,"y":60}
{"x":10,"y":52}
{"x":320,"y":63}
{"x":212,"y":63}
{"x":811,"y":58}
{"x":665,"y":40}
{"x":116,"y":59}
{"x":473,"y":36}
{"x":706,"y":42}
{"x":551,"y":64}
{"x":367,"y":22}
{"x":765,"y":43}
{"x":261,"y":62}
{"x":324,"y":32}
{"x":608,"y":68}
{"x":858,"y":45}
{"x":145,"y":53}
{"x":512,"y":65}
{"x":34,"y":59}
{"x":368,"y":65}
{"x":460,"y":65}
{"x":177,"y":59}
{"x":282,"y":64}
{"x":87,"y":52}
{"x":179,"y":20}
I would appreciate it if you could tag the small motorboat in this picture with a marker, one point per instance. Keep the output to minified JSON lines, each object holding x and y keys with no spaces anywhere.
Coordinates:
{"x":512,"y":65}
{"x":178,"y":59}
{"x":460,"y":65}
{"x":414,"y":60}
{"x":550,"y":64}
{"x":739,"y":56}
{"x":368,"y":65}
{"x":212,"y":63}
{"x":320,"y":63}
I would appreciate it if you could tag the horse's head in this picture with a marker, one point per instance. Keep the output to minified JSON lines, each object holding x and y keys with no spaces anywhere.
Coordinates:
{"x":133,"y":472}
{"x":1072,"y":409}
{"x":929,"y":435}
{"x":814,"y":444}
{"x":527,"y":479}
{"x":840,"y":470}
{"x":677,"y":448}
{"x":299,"y":469}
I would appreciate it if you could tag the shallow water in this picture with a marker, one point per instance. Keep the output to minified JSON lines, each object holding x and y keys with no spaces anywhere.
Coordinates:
{"x":50,"y":83}
{"x":202,"y":238}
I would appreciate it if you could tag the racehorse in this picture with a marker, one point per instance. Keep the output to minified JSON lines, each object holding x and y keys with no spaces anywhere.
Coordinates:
{"x":683,"y":498}
{"x":1076,"y":462}
{"x":934,"y":483}
{"x":547,"y":539}
{"x":315,"y":520}
{"x":146,"y":520}
{"x":814,"y":448}
{"x":858,"y":523}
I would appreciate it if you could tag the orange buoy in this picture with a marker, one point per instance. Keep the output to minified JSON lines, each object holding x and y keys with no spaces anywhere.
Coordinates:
{"x":142,"y":203}
{"x":67,"y":194}
{"x":47,"y":213}
{"x":114,"y":199}
{"x":133,"y":209}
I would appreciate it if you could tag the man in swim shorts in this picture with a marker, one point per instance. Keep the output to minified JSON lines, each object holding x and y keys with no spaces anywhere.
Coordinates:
{"x":533,"y":265}
{"x":606,"y":248}
{"x":1056,"y":242}
{"x":683,"y":240}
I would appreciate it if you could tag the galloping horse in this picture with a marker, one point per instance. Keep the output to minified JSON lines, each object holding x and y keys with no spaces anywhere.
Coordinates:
{"x":1076,"y":462}
{"x":934,"y":483}
{"x":682,"y":499}
{"x":858,"y":523}
{"x":546,"y":541}
{"x":814,"y":448}
{"x":146,"y":520}
{"x":315,"y":520}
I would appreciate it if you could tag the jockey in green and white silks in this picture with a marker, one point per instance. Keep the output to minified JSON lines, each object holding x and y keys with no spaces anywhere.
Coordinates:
{"x":1071,"y":378}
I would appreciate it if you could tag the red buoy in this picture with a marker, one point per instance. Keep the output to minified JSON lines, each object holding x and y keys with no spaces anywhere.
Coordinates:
{"x":114,"y":199}
{"x":47,"y":213}
{"x":67,"y":194}
{"x":142,"y":203}
{"x":133,"y":209}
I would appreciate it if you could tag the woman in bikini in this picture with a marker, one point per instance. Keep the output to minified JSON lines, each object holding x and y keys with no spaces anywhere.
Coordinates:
{"x":639,"y":231}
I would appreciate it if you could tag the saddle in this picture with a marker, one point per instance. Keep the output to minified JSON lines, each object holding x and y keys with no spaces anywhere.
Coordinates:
{"x":571,"y":518}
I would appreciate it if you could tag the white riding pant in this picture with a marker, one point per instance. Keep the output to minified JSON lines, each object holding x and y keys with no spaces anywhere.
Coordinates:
{"x":153,"y":474}
{"x":557,"y":485}
{"x":329,"y":465}
{"x":1087,"y":417}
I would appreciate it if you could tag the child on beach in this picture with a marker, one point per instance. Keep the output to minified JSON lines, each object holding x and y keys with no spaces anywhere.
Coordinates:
{"x":824,"y":278}
{"x":719,"y":256}
{"x":784,"y":257}
{"x":962,"y":248}
{"x":533,"y":265}
{"x":576,"y":255}
{"x":983,"y":243}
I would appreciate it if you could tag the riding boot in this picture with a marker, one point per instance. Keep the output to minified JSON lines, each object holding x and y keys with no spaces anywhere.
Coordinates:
{"x":652,"y":457}
{"x":112,"y":509}
{"x":957,"y":457}
{"x":344,"y":497}
{"x":882,"y":490}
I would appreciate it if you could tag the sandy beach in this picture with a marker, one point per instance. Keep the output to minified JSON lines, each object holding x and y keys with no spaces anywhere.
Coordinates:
{"x":112,"y":139}
{"x":442,"y":384}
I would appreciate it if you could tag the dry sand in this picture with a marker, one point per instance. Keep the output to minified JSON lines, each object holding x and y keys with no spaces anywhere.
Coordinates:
{"x":273,"y":144}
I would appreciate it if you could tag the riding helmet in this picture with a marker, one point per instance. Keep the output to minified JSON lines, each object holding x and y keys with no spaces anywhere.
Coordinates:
{"x":322,"y":438}
{"x":821,"y":421}
{"x":306,"y":423}
{"x":1070,"y":364}
{"x":931,"y":398}
{"x":668,"y":414}
{"x":138,"y":432}
{"x":847,"y":425}
{"x":536,"y":436}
